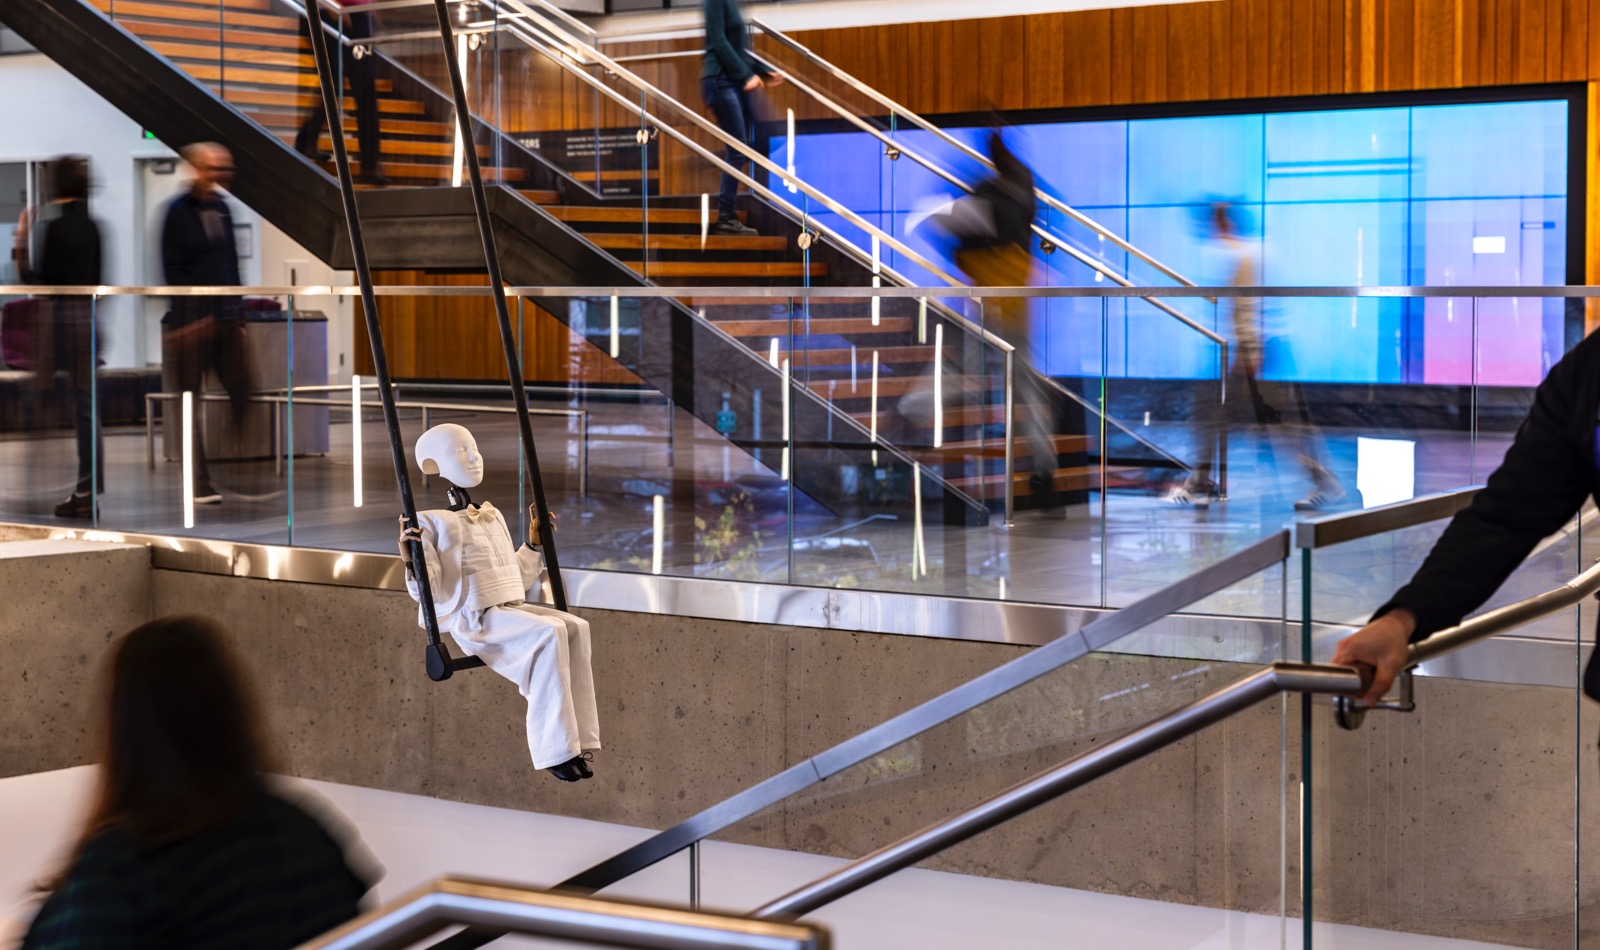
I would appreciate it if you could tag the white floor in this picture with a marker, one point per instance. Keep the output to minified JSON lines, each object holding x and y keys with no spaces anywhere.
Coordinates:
{"x":417,"y":839}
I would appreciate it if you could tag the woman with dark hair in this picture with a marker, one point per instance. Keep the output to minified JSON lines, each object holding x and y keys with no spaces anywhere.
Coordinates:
{"x":186,"y":845}
{"x":70,"y":254}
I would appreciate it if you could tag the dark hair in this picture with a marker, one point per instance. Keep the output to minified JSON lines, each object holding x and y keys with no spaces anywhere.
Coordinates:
{"x":181,"y":749}
{"x":1006,"y":162}
{"x":69,"y":177}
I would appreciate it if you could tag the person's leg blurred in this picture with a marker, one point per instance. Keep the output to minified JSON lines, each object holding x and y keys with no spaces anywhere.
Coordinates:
{"x":188,"y":346}
{"x":730,"y":105}
{"x":364,"y":86}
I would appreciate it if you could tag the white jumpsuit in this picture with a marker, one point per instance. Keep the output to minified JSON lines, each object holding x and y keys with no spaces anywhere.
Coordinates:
{"x":480,"y":587}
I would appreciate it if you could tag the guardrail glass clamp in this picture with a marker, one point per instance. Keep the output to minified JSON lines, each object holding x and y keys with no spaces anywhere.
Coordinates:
{"x":1350,"y":711}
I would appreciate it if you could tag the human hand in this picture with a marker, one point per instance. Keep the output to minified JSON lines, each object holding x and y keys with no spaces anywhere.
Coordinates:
{"x":1381,"y":645}
{"x":753,"y":83}
{"x":773,"y":78}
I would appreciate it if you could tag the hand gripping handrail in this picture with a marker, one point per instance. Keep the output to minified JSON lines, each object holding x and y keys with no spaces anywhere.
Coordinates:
{"x":1344,"y":683}
{"x":589,"y":921}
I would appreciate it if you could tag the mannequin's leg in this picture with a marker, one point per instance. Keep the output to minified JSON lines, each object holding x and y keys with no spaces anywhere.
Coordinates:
{"x":531,"y":651}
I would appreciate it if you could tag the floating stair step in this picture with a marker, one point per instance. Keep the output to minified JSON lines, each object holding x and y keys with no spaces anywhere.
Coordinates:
{"x":728,"y":268}
{"x":996,"y":448}
{"x":444,"y":150}
{"x":304,"y":101}
{"x":619,"y":174}
{"x":539,"y":197}
{"x":233,"y":56}
{"x":826,"y":326}
{"x":629,"y":213}
{"x":233,"y":39}
{"x":279,"y":121}
{"x":193,"y":13}
{"x":687,"y":242}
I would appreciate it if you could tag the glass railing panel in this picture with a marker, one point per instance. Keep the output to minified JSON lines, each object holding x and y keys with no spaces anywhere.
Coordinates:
{"x":1461,"y":819}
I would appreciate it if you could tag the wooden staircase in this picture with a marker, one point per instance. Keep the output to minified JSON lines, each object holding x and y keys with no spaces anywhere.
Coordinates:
{"x":251,"y":55}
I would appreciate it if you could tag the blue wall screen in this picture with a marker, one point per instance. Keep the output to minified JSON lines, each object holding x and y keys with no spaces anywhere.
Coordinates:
{"x":1472,"y":194}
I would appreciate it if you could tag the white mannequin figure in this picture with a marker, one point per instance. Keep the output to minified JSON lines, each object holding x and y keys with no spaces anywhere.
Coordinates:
{"x":484,"y":593}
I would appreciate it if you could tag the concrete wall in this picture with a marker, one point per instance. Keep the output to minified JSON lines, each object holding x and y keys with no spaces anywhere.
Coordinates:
{"x":1458,"y":820}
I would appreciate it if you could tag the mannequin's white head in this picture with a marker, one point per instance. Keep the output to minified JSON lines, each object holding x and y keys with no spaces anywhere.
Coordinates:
{"x":449,"y":451}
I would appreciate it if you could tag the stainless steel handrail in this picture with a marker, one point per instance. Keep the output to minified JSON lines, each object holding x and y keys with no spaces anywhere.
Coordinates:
{"x":710,"y":128}
{"x":1099,"y":267}
{"x":1339,"y":681}
{"x":1069,"y":775}
{"x":592,"y":921}
{"x":1314,"y":533}
{"x":944,"y":136}
{"x":1038,"y":662}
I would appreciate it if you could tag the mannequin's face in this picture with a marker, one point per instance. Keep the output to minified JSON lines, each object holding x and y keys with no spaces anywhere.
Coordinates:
{"x":459,"y":462}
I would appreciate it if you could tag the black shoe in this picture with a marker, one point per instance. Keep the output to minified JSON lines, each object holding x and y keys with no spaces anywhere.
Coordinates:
{"x":571,"y":770}
{"x":733,"y":226}
{"x":375,"y":179}
{"x":76,"y":506}
{"x":317,"y":154}
{"x":582,"y":762}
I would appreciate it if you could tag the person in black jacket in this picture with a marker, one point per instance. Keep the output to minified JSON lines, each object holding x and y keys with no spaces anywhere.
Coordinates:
{"x":70,"y":253}
{"x":1543,"y":481}
{"x":205,"y":334}
{"x":188,"y":844}
{"x":728,"y":77}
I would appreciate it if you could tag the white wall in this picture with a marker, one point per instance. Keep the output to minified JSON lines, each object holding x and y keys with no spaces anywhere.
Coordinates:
{"x":47,"y":112}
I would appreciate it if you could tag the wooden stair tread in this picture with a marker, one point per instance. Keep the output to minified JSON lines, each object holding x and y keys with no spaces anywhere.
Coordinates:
{"x":620,"y":174}
{"x":826,"y":326}
{"x":1074,"y":478}
{"x":233,"y":39}
{"x":445,"y":150}
{"x":304,"y":101}
{"x":686,"y":242}
{"x":728,"y":268}
{"x":387,"y":126}
{"x":628,"y":213}
{"x":840,"y":389}
{"x":188,"y":13}
{"x":234,"y":56}
{"x":996,"y":447}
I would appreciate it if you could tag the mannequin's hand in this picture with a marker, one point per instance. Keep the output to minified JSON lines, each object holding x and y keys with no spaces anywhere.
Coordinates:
{"x":1381,"y":645}
{"x":752,"y":84}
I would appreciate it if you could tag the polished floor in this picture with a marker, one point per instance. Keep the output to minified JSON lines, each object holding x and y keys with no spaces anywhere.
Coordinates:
{"x":724,"y":514}
{"x":417,"y":839}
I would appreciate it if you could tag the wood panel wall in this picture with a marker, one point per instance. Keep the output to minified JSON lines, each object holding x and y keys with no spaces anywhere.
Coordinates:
{"x":1218,"y":50}
{"x":458,"y":338}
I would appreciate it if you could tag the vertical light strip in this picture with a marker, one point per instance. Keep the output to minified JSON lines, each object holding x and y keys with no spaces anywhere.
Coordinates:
{"x":919,"y":552}
{"x":922,"y":319}
{"x":616,"y":331}
{"x":792,"y":186}
{"x":355,"y":438}
{"x":785,"y":473}
{"x":852,"y":369}
{"x":877,"y":268}
{"x":772,"y":353}
{"x":457,"y":162}
{"x":873,"y":411}
{"x":659,"y":530}
{"x":938,"y":385}
{"x":188,"y":459}
{"x":705,"y":222}
{"x":1002,"y":588}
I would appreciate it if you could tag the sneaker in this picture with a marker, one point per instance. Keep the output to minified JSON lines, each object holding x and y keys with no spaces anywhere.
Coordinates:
{"x":76,"y":506}
{"x":1192,"y":494}
{"x":1321,"y":497}
{"x":207,"y":496}
{"x":733,"y":226}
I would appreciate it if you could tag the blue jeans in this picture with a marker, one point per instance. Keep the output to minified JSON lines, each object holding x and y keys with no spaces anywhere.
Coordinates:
{"x":731,"y":105}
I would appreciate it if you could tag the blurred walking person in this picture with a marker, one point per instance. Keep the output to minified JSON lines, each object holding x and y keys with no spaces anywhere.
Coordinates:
{"x":363,"y":87}
{"x":994,"y":251}
{"x":71,"y":253}
{"x":727,"y":79}
{"x":205,"y":334}
{"x":187,"y":845}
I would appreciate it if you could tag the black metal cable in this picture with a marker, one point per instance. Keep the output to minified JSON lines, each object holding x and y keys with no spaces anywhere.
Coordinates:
{"x":491,"y":257}
{"x":438,"y":661}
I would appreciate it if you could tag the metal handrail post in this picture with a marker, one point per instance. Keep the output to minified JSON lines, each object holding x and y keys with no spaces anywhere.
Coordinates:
{"x":437,"y":653}
{"x":508,"y":340}
{"x":1011,"y":436}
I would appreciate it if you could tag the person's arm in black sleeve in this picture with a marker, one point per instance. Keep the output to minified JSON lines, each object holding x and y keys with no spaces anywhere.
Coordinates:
{"x":732,"y":59}
{"x":1539,"y":487}
{"x":176,"y":253}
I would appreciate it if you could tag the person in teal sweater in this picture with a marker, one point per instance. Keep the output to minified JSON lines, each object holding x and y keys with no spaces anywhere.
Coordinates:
{"x":727,"y":79}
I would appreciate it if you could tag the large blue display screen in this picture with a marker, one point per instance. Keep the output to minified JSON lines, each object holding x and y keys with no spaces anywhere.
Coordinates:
{"x":1472,"y":194}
